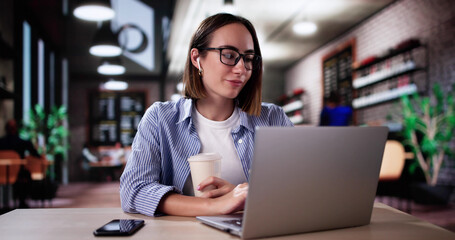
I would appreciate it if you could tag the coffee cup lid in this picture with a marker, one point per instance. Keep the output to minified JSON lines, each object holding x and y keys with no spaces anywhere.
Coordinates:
{"x":204,"y":157}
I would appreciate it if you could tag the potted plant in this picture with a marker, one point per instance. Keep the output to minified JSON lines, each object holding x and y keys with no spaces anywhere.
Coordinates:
{"x":48,"y":133}
{"x":428,"y":128}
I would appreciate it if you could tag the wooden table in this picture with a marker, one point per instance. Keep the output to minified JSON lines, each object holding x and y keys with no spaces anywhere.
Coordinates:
{"x":79,"y":223}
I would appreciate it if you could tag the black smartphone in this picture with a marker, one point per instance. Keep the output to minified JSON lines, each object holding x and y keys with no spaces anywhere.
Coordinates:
{"x":119,"y":227}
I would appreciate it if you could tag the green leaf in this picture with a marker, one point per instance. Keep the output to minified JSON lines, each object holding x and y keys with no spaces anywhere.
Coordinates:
{"x":429,"y":146}
{"x":60,"y":150}
{"x":432,"y":111}
{"x":62,"y":112}
{"x":410,"y":122}
{"x":407,"y":133}
{"x":450,"y":120}
{"x":439,"y":95}
{"x":413,"y":166}
{"x":449,"y":152}
{"x":450,"y":103}
{"x":424,"y":105}
{"x":39,"y":110}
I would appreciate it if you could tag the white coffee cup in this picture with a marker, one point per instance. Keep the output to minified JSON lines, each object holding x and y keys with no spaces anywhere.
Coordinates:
{"x":202,"y":166}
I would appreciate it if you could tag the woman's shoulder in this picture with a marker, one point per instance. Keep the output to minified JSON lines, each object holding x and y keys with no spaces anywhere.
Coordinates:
{"x":269,"y":111}
{"x":168,"y":105}
{"x":268,"y":108}
{"x":168,"y":108}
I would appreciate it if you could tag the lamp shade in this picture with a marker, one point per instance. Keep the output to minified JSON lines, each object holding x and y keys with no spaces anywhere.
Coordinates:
{"x":105,"y":42}
{"x":115,"y":85}
{"x":94,"y":10}
{"x":111,"y":66}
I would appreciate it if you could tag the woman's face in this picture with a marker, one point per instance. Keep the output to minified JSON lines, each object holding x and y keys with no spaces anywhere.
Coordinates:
{"x":220,"y":80}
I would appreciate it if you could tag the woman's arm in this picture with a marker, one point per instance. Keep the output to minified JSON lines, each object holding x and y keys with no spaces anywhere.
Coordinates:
{"x":176,"y":204}
{"x":141,"y":187}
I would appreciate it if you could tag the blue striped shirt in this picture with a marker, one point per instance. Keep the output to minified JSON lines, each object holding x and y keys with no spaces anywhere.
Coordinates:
{"x":165,"y":139}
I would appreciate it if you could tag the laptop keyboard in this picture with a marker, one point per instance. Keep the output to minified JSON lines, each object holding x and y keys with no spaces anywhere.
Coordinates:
{"x":236,"y":222}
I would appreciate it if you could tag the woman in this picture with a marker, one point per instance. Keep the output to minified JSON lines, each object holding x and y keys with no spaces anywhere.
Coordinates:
{"x":221,"y":108}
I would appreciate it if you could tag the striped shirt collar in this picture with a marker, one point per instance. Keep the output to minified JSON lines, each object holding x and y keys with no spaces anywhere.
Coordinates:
{"x":186,"y":105}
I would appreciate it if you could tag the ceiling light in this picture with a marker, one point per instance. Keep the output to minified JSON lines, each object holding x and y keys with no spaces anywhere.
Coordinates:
{"x":115,"y":85}
{"x":94,"y":10}
{"x":304,"y":28}
{"x":228,"y":7}
{"x":105,"y":42}
{"x":111,"y":67}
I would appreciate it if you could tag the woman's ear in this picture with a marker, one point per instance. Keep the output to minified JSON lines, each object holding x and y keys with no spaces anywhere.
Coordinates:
{"x":195,"y":58}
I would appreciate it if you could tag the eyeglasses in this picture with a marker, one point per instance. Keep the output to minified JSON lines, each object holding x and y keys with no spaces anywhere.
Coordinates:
{"x":231,"y":57}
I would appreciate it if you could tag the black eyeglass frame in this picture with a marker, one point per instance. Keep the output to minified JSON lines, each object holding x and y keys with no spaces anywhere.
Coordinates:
{"x":254,"y":66}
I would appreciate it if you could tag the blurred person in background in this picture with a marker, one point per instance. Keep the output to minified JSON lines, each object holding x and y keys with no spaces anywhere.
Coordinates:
{"x":335,"y":114}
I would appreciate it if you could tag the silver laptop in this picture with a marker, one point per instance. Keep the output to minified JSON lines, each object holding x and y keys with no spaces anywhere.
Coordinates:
{"x":307,"y":179}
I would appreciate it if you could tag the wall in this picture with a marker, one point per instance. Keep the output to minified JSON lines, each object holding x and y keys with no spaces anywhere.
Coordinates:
{"x":272,"y":85}
{"x":6,"y":65}
{"x":433,"y":22}
{"x":78,"y":113}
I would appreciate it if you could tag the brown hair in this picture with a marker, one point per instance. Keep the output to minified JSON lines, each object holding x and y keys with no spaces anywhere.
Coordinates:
{"x":249,"y":99}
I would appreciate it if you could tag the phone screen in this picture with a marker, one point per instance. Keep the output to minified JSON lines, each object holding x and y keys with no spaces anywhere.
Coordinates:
{"x":119,"y":227}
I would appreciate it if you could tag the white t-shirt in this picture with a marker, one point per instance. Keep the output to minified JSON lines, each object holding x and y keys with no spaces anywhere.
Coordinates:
{"x":216,"y":136}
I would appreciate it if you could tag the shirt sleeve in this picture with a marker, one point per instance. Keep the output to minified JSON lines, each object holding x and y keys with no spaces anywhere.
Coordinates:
{"x":278,"y":117}
{"x":140,"y":184}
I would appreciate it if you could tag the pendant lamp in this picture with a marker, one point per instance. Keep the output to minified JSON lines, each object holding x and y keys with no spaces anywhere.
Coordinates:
{"x":111,"y":66}
{"x":105,"y":42}
{"x":94,"y":10}
{"x":115,"y":85}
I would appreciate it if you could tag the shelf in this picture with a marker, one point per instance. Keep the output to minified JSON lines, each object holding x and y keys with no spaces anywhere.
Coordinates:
{"x":297,"y":119}
{"x":114,"y":116}
{"x":293,"y":106}
{"x":294,"y":94}
{"x":384,"y":75}
{"x":383,"y":96}
{"x":390,"y":55}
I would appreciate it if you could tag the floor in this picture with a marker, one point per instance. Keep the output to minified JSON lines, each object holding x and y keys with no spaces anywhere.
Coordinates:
{"x":90,"y":195}
{"x":85,"y":195}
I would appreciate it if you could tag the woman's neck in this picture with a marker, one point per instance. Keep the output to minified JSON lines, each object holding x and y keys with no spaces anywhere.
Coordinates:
{"x":215,"y":109}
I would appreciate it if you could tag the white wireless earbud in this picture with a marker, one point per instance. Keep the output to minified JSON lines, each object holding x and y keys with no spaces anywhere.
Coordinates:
{"x":199,"y":67}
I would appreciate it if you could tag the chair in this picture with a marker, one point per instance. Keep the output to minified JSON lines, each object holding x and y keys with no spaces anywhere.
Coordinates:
{"x":390,"y":177}
{"x":41,"y":187}
{"x":9,"y":159}
{"x":37,"y":167}
{"x":10,"y":164}
{"x":392,"y":161}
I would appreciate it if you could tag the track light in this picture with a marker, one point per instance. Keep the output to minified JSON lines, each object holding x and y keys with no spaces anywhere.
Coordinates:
{"x":105,"y":42}
{"x":112,"y":66}
{"x":94,"y":10}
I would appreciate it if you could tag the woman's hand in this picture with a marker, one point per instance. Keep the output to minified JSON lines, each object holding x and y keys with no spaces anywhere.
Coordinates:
{"x":231,"y":202}
{"x":220,"y":187}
